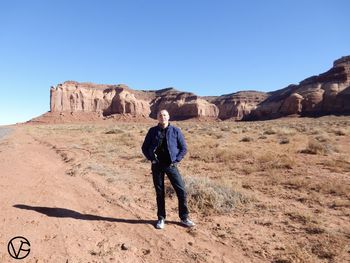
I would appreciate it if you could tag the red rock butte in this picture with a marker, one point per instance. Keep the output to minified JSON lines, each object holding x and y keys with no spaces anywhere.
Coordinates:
{"x":327,"y":93}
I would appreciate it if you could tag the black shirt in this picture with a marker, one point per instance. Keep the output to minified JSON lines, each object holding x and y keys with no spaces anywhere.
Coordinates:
{"x":162,"y":151}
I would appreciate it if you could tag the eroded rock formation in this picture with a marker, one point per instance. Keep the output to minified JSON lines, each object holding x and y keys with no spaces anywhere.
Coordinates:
{"x":182,"y":105}
{"x":119,"y":99}
{"x":237,"y":105}
{"x":327,"y":93}
{"x":72,"y":96}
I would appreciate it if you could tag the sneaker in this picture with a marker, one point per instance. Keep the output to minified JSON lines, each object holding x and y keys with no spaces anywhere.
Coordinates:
{"x":160,"y":224}
{"x":187,"y":222}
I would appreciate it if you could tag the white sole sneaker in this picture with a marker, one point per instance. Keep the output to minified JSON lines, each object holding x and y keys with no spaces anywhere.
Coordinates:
{"x":187,"y":223}
{"x":160,"y":224}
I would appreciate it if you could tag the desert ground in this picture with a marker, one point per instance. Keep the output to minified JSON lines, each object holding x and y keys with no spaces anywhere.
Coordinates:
{"x":273,"y":191}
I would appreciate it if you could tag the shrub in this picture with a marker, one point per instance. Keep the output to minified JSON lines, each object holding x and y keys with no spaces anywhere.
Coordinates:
{"x":270,"y":160}
{"x":114,"y":131}
{"x":339,"y":132}
{"x":316,"y":147}
{"x":338,"y":165}
{"x":270,"y":131}
{"x":247,"y":139}
{"x":322,"y":138}
{"x":225,"y":129}
{"x":207,"y":196}
{"x":284,"y":140}
{"x":284,"y":131}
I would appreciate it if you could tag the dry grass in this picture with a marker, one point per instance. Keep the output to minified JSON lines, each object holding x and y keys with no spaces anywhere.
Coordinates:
{"x":270,"y":131}
{"x":268,"y":162}
{"x":284,"y":140}
{"x":319,"y":147}
{"x":206,"y":196}
{"x":339,"y":164}
{"x":231,"y":165}
{"x":340,"y":132}
{"x":247,"y":139}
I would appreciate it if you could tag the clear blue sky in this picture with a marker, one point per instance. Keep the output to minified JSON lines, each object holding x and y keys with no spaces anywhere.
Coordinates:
{"x":205,"y":47}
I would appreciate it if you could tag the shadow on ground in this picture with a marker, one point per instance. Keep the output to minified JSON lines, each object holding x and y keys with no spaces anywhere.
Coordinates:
{"x":67,"y":213}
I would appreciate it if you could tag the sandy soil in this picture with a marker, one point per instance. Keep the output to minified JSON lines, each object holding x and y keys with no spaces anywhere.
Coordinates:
{"x":67,"y":219}
{"x":4,"y":131}
{"x":83,"y":193}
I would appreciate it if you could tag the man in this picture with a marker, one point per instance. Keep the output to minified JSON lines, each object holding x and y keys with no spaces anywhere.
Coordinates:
{"x":165,"y":147}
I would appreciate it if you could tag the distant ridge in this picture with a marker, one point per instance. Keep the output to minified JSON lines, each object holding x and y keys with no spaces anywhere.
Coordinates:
{"x":326,"y":93}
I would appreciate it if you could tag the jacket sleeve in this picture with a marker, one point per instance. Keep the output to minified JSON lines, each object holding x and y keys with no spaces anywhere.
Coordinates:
{"x":146,"y":144}
{"x":181,"y":145}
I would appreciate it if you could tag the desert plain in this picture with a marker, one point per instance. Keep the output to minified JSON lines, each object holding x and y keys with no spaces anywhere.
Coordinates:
{"x":268,"y":191}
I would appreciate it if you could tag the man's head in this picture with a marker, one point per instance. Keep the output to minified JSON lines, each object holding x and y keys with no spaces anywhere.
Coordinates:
{"x":163,"y":118}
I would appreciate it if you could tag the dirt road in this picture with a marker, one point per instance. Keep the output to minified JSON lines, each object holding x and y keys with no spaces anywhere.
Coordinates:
{"x":68,"y":219}
{"x":4,"y":130}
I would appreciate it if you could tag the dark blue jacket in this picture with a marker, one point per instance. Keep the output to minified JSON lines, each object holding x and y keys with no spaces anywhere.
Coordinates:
{"x":175,"y":140}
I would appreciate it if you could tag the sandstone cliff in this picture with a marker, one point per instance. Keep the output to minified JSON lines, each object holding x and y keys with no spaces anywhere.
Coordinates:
{"x":107,"y":100}
{"x":327,"y":93}
{"x":182,"y":105}
{"x":237,"y":105}
{"x":72,"y":96}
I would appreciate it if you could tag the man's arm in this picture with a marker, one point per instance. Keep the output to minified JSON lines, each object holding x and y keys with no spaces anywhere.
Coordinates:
{"x":146,"y":144}
{"x":181,"y":145}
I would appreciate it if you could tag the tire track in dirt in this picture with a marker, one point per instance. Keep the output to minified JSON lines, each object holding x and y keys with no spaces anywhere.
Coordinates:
{"x":78,"y":219}
{"x":64,"y":217}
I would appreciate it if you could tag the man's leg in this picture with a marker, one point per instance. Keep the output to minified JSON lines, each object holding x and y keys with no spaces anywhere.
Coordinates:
{"x":158,"y":181}
{"x":179,"y":187}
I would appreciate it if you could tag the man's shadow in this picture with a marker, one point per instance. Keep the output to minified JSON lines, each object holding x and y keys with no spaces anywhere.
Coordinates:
{"x":67,"y":213}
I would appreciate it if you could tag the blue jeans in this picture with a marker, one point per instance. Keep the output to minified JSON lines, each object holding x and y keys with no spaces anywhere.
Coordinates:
{"x":177,"y":182}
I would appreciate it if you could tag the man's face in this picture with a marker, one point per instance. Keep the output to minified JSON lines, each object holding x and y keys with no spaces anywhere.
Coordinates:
{"x":163,"y":117}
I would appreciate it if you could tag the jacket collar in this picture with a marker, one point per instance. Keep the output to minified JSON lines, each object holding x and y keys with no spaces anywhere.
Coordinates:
{"x":168,"y":127}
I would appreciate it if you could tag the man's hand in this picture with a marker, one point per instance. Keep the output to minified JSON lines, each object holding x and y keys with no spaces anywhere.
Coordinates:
{"x":174,"y":164}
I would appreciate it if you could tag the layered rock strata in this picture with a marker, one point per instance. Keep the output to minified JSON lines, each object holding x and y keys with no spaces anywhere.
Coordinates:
{"x":107,"y":100}
{"x":327,"y":93}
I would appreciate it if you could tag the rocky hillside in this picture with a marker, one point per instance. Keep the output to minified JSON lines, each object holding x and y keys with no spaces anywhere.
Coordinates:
{"x":237,"y":105}
{"x":107,"y":100}
{"x":327,"y":93}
